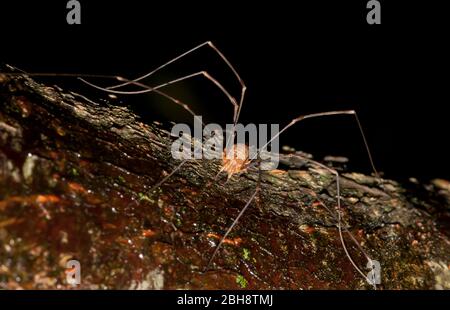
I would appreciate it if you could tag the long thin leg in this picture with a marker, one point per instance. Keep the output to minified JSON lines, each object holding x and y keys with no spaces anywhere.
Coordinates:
{"x":330,"y":113}
{"x":215,"y":49}
{"x":340,"y":221}
{"x":216,"y":250}
{"x":168,"y":176}
{"x":237,"y":106}
{"x":148,"y":89}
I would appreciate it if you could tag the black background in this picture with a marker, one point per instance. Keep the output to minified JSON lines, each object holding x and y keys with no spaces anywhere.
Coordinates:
{"x":296,"y":57}
{"x":320,"y":299}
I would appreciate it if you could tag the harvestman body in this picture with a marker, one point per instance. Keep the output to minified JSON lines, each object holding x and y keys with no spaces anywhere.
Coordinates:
{"x":241,"y":162}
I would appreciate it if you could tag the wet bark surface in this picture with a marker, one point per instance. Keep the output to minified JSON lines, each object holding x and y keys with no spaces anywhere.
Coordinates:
{"x":75,"y":177}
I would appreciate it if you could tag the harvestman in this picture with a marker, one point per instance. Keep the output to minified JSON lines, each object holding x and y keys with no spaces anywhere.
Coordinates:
{"x":236,"y":165}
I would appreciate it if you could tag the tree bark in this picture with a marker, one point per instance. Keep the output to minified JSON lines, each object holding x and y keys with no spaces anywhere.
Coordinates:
{"x":74,"y":184}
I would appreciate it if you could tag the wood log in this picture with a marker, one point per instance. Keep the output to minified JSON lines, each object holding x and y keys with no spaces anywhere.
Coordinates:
{"x":75,"y":177}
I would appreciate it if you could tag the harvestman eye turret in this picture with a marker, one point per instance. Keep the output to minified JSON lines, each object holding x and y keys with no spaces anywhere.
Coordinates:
{"x":240,"y":163}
